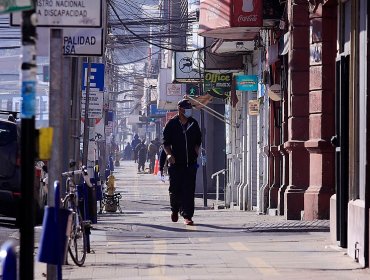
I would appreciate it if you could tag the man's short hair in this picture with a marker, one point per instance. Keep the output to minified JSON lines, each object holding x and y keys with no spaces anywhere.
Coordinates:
{"x":184,"y":103}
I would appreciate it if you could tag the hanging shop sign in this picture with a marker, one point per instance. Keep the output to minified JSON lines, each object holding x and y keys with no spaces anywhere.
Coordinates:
{"x":253,"y":107}
{"x":188,"y":66}
{"x":155,"y":112}
{"x":174,"y":90}
{"x":230,"y":19}
{"x":274,"y":92}
{"x":247,"y":13}
{"x":218,"y":85}
{"x":246,"y":82}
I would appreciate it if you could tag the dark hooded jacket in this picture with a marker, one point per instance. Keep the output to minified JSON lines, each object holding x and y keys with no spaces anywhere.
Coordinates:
{"x":182,"y":140}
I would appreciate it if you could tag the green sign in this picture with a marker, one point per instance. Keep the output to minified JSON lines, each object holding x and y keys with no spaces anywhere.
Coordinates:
{"x":10,"y":6}
{"x":218,"y":85}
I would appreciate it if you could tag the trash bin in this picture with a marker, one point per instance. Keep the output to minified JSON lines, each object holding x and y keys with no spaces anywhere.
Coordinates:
{"x":56,"y":227}
{"x":92,"y":202}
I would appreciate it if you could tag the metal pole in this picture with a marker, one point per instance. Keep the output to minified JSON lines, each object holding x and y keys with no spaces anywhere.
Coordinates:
{"x":204,"y":167}
{"x":86,"y":116}
{"x":66,"y":104}
{"x":55,"y":121}
{"x":75,"y":110}
{"x":27,"y":205}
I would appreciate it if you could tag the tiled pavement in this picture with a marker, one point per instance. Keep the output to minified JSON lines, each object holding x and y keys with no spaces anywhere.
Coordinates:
{"x":142,"y":243}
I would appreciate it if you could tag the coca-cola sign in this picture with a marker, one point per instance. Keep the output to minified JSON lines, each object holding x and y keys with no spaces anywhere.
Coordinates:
{"x":247,"y":13}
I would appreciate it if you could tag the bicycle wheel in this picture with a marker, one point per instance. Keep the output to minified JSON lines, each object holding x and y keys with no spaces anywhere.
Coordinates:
{"x":77,"y":246}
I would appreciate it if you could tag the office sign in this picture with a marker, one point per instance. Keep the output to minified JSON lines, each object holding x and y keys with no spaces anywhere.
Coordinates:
{"x":66,"y":13}
{"x":246,"y":82}
{"x":217,"y":85}
{"x":83,"y":42}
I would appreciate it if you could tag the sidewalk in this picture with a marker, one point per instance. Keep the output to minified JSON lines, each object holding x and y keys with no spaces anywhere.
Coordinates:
{"x":142,"y":242}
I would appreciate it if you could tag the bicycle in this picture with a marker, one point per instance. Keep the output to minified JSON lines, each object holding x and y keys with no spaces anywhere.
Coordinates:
{"x":77,"y":239}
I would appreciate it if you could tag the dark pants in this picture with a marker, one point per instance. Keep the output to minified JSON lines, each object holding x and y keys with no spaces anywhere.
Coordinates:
{"x":151,"y":164}
{"x":182,"y":189}
{"x":141,"y":165}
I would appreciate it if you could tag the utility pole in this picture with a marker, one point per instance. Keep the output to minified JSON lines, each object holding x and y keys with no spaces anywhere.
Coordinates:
{"x":56,"y":110}
{"x":28,"y":150}
{"x":86,"y":116}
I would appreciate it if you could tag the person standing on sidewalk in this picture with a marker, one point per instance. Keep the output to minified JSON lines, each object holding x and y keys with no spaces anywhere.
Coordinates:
{"x":181,"y":141}
{"x":141,"y":151}
{"x":134,"y":144}
{"x":152,"y":152}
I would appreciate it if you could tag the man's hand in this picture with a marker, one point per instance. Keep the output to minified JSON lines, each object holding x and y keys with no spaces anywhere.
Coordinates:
{"x":171,"y":159}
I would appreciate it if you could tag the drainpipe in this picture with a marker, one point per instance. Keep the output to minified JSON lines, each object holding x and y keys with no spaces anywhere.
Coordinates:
{"x":247,"y":189}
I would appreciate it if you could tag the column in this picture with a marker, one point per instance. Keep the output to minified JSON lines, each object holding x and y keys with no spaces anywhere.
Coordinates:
{"x":321,"y":112}
{"x":298,"y":76}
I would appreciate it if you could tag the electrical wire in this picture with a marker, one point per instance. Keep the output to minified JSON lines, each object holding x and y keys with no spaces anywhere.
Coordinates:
{"x":147,"y":41}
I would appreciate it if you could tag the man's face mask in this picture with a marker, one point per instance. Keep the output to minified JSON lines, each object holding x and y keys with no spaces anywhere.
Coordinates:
{"x":188,"y":113}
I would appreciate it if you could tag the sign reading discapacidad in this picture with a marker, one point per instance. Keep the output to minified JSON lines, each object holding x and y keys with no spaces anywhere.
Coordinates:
{"x":217,"y":85}
{"x":246,"y":82}
{"x":83,"y":42}
{"x":66,"y":13}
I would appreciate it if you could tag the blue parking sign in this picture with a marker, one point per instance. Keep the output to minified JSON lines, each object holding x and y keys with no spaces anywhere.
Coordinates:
{"x":96,"y":76}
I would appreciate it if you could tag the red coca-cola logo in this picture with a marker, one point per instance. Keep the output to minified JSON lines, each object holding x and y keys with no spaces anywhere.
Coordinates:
{"x":249,"y":18}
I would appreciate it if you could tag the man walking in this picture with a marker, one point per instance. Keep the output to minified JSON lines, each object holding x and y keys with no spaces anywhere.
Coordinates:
{"x":181,"y":141}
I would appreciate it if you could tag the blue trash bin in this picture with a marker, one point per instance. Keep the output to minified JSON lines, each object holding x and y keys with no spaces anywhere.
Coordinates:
{"x":8,"y":259}
{"x":56,"y":227}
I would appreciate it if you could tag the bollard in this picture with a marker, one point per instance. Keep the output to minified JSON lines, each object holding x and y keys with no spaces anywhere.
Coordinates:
{"x":56,"y":228}
{"x":92,"y":203}
{"x":8,"y":259}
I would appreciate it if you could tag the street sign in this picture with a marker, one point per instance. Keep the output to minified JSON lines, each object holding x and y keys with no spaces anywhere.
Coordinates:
{"x":188,"y":66}
{"x":7,"y":6}
{"x":155,"y":112}
{"x":95,"y":104}
{"x":65,"y":13}
{"x":96,"y":76}
{"x":83,"y":42}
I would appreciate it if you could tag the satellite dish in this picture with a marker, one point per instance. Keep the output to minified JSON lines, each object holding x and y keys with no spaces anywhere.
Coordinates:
{"x":274,"y":92}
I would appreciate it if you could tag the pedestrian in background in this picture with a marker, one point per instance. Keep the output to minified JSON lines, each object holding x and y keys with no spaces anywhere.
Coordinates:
{"x":136,"y":141}
{"x":141,"y":151}
{"x":127,"y":154}
{"x":153,"y":149}
{"x":181,"y":141}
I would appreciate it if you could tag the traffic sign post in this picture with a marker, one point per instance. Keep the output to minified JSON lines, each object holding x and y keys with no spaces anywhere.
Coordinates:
{"x":27,"y":203}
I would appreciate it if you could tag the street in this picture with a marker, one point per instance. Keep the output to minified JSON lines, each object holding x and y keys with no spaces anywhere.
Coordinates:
{"x":143,"y":243}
